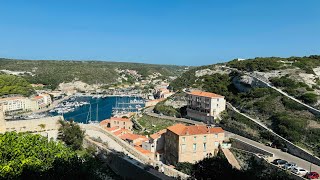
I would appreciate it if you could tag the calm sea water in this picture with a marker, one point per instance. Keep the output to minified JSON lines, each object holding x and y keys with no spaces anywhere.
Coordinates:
{"x":99,"y":106}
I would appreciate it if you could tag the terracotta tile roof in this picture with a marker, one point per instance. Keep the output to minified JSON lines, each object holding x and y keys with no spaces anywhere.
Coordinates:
{"x":132,"y":137}
{"x":205,"y":94}
{"x":38,"y":97}
{"x":143,"y":151}
{"x":112,"y":129}
{"x":182,"y":130}
{"x":158,"y":134}
{"x":121,"y":132}
{"x":104,"y":122}
{"x":120,"y":119}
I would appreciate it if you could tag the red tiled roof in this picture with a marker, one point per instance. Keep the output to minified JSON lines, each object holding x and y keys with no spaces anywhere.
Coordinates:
{"x":132,"y":137}
{"x":104,"y":122}
{"x":205,"y":94}
{"x":111,"y":129}
{"x":182,"y":130}
{"x":121,"y":131}
{"x":158,"y":134}
{"x":144,"y":151}
{"x":38,"y":97}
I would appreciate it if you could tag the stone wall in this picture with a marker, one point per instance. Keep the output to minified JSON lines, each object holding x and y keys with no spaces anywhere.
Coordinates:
{"x":32,"y":125}
{"x":169,"y":171}
{"x":122,"y":165}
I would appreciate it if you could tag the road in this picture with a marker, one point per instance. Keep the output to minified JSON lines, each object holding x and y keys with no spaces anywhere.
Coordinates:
{"x":149,"y":111}
{"x":277,"y":153}
{"x":281,"y":155}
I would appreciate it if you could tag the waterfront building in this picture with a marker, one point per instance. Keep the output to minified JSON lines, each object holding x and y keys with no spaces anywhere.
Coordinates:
{"x":46,"y":98}
{"x":205,"y":106}
{"x":13,"y":105}
{"x":191,"y":143}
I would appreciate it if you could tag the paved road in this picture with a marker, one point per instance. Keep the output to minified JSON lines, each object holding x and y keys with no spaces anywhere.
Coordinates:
{"x":281,"y":155}
{"x":149,"y":111}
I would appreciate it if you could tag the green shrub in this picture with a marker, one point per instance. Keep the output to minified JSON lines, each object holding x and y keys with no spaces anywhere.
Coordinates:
{"x":309,"y":98}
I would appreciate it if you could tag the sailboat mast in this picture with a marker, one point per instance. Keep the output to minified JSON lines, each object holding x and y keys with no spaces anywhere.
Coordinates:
{"x":97,"y":119}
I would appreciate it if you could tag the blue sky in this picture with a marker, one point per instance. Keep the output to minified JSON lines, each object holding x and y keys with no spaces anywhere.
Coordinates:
{"x":184,"y":32}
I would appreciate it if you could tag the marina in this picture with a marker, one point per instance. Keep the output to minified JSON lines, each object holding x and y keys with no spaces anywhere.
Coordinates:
{"x":93,"y":109}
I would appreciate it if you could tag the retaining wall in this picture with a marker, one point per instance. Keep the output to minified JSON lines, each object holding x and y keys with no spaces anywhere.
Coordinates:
{"x":169,"y":171}
{"x":123,"y":166}
{"x":237,"y":143}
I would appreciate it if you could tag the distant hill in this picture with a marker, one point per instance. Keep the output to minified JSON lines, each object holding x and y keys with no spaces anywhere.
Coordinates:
{"x":298,"y":76}
{"x":53,"y":72}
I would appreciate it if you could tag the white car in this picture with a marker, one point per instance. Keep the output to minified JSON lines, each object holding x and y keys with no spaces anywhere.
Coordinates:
{"x":289,"y":166}
{"x":299,"y":171}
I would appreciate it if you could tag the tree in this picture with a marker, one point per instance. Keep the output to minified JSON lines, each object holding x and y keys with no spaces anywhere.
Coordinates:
{"x":71,"y":134}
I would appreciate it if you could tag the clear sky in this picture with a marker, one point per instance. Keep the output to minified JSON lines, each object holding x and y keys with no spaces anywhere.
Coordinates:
{"x":185,"y":32}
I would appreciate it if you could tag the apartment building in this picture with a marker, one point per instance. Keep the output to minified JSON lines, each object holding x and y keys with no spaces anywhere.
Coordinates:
{"x":205,"y":106}
{"x":191,"y":143}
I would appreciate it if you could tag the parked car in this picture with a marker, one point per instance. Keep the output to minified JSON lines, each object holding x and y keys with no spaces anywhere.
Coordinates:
{"x":284,"y":149}
{"x":289,"y":166}
{"x":312,"y":175}
{"x":299,"y":171}
{"x":279,"y":162}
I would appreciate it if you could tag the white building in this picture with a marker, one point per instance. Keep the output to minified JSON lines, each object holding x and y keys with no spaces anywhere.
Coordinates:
{"x":205,"y":106}
{"x":155,"y":144}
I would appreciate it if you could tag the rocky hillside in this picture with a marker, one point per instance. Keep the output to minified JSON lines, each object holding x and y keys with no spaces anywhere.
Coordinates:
{"x":52,"y":73}
{"x":296,"y":75}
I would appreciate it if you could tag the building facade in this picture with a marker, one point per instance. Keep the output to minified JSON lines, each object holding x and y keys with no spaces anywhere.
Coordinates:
{"x":191,"y":143}
{"x":155,"y":145}
{"x":115,"y":122}
{"x":205,"y":106}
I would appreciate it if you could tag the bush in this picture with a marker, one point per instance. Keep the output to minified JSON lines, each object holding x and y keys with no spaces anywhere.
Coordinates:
{"x":309,"y":98}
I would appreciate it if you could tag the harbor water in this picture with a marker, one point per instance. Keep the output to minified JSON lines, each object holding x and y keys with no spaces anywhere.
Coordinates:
{"x":98,"y":109}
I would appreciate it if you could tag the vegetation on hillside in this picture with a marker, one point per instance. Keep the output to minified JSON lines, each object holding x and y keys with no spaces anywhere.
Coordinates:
{"x":153,"y":125}
{"x":306,"y":63}
{"x":27,"y":156}
{"x":10,"y":84}
{"x":218,"y":167}
{"x":283,"y":115}
{"x":51,"y":73}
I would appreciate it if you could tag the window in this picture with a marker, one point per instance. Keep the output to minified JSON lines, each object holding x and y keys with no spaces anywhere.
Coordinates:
{"x":183,"y":139}
{"x":195,"y":138}
{"x":204,"y":146}
{"x":183,"y":148}
{"x":216,"y":144}
{"x":194,"y":147}
{"x":215,"y":135}
{"x":204,"y":138}
{"x":124,"y":123}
